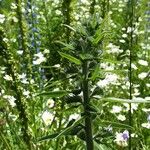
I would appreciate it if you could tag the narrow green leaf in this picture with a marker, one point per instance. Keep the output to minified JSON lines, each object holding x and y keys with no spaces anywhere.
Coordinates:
{"x":100,"y":146}
{"x":113,"y":99}
{"x":67,"y":130}
{"x":71,"y":28}
{"x":5,"y":141}
{"x":105,"y":123}
{"x":48,"y":137}
{"x":64,"y":132}
{"x":95,"y":74}
{"x":53,"y":93}
{"x":70,"y":58}
{"x":68,"y":46}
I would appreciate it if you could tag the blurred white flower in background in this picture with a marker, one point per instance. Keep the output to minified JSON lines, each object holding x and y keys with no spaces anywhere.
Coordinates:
{"x":58,"y":12}
{"x":39,"y":58}
{"x":124,"y":35}
{"x":13,"y":6}
{"x":142,"y":75}
{"x":74,"y":116}
{"x":46,"y":51}
{"x":146,"y":125}
{"x":26,"y":93}
{"x":134,"y":66}
{"x":10,"y":99}
{"x":47,"y":117}
{"x":2,"y":18}
{"x":57,"y":66}
{"x":121,"y":117}
{"x":133,"y":107}
{"x":7,"y":77}
{"x":129,"y":29}
{"x":143,"y":62}
{"x":116,"y":109}
{"x":102,"y":83}
{"x":20,"y":52}
{"x":112,"y":78}
{"x":86,"y":2}
{"x":109,"y":79}
{"x":122,"y":41}
{"x":113,"y":49}
{"x":5,"y":40}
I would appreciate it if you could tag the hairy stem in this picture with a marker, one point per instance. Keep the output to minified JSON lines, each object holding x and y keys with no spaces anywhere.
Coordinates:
{"x":88,"y":120}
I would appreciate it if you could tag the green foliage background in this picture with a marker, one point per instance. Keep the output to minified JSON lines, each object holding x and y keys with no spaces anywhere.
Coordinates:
{"x":46,"y":47}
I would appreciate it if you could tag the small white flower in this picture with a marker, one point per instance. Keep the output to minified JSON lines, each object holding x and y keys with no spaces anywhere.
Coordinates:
{"x":20,"y":52}
{"x":133,"y":107}
{"x":15,"y":19}
{"x":57,"y":66}
{"x":121,"y":138}
{"x":85,"y":2}
{"x":146,"y":109}
{"x":122,"y":41}
{"x":5,"y":40}
{"x":112,"y":78}
{"x":47,"y":117}
{"x":102,"y":83}
{"x":134,"y":66}
{"x":58,"y":12}
{"x":74,"y":116}
{"x":50,"y":103}
{"x":116,"y":109}
{"x":46,"y":51}
{"x":124,"y":35}
{"x":10,"y":99}
{"x":121,"y":117}
{"x":113,"y":48}
{"x":26,"y":93}
{"x":129,"y":29}
{"x":13,"y":6}
{"x":40,"y":58}
{"x":7,"y":77}
{"x":123,"y":29}
{"x":147,"y":98}
{"x":24,"y":81}
{"x":147,"y":84}
{"x":22,"y":76}
{"x":134,"y":135}
{"x":143,"y":62}
{"x":142,"y":75}
{"x":120,"y":9}
{"x":146,"y":125}
{"x":2,"y":18}
{"x":136,"y":92}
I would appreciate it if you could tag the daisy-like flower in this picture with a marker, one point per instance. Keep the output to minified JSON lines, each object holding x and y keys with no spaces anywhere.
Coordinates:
{"x":47,"y":117}
{"x":122,"y":138}
{"x":50,"y":103}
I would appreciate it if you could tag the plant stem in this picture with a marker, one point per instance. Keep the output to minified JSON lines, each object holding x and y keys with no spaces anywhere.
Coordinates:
{"x":88,"y":120}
